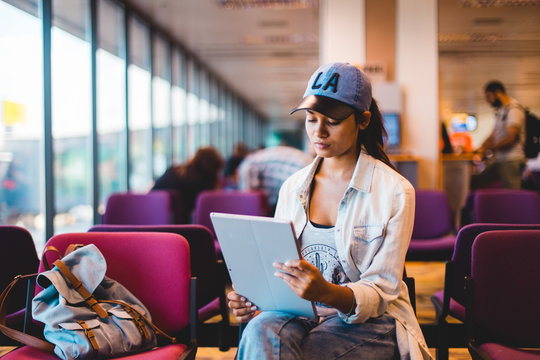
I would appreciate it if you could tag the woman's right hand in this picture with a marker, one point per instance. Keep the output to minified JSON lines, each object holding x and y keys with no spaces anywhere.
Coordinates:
{"x":241,"y":307}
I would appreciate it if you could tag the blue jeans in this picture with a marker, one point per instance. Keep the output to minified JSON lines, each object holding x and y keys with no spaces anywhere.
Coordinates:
{"x":277,"y":335}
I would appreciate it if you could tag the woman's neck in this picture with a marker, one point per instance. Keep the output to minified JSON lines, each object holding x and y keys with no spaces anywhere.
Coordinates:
{"x":339,"y":166}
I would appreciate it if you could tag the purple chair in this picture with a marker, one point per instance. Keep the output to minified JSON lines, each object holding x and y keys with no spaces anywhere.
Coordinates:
{"x":503,"y":292}
{"x":432,"y":237}
{"x":512,"y":207}
{"x":153,"y":208}
{"x":210,"y":271}
{"x":227,"y":201}
{"x":155,"y":268}
{"x":452,"y":300}
{"x":17,"y":257}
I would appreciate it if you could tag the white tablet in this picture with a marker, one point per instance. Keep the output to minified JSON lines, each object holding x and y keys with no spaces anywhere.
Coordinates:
{"x":250,"y":244}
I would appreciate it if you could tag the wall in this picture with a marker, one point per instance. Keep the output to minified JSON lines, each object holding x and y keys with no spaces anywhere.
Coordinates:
{"x":417,"y":73}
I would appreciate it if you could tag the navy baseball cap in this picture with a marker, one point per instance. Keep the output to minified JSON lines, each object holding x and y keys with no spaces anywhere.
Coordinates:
{"x":336,"y":90}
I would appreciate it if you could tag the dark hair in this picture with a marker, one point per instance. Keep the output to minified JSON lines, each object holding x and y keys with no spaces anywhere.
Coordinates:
{"x":205,"y":167}
{"x":374,"y":135}
{"x":494,"y":86}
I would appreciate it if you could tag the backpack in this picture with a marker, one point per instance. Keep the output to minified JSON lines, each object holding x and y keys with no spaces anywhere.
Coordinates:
{"x":532,"y":133}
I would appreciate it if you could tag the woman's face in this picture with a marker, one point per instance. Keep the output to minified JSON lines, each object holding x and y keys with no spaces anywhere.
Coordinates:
{"x":333,"y":138}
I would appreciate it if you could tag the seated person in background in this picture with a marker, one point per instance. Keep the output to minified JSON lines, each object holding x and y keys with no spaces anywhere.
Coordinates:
{"x":266,"y":169}
{"x":230,"y":173}
{"x":202,"y":172}
{"x":353,"y":214}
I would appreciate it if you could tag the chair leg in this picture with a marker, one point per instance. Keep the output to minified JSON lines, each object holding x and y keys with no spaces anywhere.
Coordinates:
{"x":224,"y":326}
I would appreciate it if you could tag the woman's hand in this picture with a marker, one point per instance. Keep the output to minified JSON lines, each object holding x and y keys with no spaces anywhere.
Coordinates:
{"x":241,"y":307}
{"x":304,"y":279}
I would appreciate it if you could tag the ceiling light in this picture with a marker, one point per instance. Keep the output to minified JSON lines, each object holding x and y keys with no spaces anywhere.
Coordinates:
{"x":498,"y":3}
{"x":272,"y":4}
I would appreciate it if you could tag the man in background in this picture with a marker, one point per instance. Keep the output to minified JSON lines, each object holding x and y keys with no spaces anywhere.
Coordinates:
{"x":503,"y":149}
{"x":266,"y":169}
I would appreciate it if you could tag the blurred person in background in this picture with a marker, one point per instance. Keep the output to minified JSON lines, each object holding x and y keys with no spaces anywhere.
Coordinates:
{"x":267,"y":169}
{"x":230,"y":173}
{"x":502,"y":151}
{"x":202,"y":172}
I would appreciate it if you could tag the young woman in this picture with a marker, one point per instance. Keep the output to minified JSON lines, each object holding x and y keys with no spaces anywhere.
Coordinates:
{"x":353,"y":215}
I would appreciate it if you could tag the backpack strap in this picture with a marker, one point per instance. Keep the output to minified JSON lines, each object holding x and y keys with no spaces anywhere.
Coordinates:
{"x":17,"y":335}
{"x":77,"y":284}
{"x":132,"y":311}
{"x":70,"y":249}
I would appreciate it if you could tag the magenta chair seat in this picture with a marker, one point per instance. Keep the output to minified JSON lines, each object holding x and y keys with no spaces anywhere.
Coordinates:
{"x":453,"y":297}
{"x":210,"y":271}
{"x":432,"y":237}
{"x":153,"y":208}
{"x":173,"y":351}
{"x":228,"y":201}
{"x":506,"y":206}
{"x":503,"y":291}
{"x":155,"y":267}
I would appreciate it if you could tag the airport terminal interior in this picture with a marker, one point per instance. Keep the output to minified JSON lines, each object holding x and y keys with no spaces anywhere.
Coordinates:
{"x":101,"y":97}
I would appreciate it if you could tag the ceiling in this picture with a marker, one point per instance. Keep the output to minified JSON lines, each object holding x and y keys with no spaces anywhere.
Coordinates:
{"x":266,"y":54}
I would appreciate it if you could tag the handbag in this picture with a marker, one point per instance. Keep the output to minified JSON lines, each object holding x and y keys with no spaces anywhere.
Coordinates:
{"x":86,"y":314}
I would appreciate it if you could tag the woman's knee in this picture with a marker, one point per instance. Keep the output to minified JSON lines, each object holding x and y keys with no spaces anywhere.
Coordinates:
{"x":266,"y":323}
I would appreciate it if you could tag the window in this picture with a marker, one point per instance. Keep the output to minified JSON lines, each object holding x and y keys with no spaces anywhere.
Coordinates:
{"x":161,"y":108}
{"x":139,"y":114}
{"x":111,"y":98}
{"x":21,"y":119}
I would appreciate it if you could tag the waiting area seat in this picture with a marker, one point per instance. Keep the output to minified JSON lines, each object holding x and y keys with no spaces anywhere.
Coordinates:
{"x":509,"y":206}
{"x":155,"y":268}
{"x":503,"y":292}
{"x":433,"y":235}
{"x":205,"y":265}
{"x":153,"y":208}
{"x":17,"y":256}
{"x":228,"y":201}
{"x":451,"y":301}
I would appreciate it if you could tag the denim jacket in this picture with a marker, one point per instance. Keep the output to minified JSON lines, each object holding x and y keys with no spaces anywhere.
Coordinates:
{"x":372,"y":233}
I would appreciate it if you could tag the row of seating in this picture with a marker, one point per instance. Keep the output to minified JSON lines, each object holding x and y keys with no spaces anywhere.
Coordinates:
{"x":434,"y":234}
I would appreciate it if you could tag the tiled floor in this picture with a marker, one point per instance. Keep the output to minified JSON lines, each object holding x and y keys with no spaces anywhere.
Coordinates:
{"x":429,"y":278}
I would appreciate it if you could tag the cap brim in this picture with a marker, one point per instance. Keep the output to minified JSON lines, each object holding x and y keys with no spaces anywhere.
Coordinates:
{"x":329,"y":107}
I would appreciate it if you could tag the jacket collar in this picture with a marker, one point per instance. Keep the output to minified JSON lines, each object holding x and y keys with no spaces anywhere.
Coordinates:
{"x":361,"y":179}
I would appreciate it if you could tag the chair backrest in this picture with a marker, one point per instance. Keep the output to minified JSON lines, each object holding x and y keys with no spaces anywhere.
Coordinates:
{"x":227,"y":201}
{"x":202,"y":252}
{"x":461,"y":258}
{"x":512,"y":207}
{"x":433,"y":216}
{"x":506,"y":289}
{"x":153,"y":208}
{"x":155,"y":267}
{"x":17,"y":257}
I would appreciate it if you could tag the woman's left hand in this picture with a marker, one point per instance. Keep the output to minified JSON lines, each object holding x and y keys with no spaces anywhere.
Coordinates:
{"x":303,"y":278}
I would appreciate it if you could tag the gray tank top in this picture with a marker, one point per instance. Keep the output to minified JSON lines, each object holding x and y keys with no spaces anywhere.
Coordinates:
{"x":319,"y":249}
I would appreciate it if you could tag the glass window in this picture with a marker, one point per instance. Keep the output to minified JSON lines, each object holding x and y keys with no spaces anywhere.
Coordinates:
{"x":71,"y":115}
{"x":139,"y":113}
{"x":192,"y":108}
{"x":111,"y":97}
{"x":178,"y":105}
{"x":204,"y":108}
{"x":21,"y":119}
{"x":161,"y":97}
